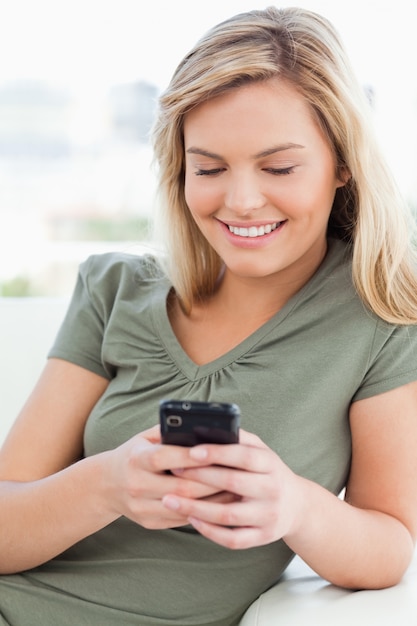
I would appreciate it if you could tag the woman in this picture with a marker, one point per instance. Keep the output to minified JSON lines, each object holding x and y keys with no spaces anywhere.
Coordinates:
{"x":288,"y":287}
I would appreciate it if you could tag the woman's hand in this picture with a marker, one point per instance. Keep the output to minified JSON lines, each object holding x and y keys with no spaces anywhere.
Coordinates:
{"x":138,"y":477}
{"x":267,"y":499}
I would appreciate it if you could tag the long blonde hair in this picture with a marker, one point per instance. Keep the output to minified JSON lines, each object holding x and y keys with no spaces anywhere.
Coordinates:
{"x":304,"y":49}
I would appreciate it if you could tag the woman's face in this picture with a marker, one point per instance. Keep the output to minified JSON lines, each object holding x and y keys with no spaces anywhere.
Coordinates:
{"x":260,"y":180}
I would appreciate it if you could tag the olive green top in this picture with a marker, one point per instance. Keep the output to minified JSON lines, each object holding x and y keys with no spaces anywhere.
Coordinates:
{"x":294,"y":379}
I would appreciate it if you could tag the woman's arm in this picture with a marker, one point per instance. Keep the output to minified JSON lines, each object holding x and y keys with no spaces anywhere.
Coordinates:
{"x":50,"y":498}
{"x":42,"y":487}
{"x":47,"y":435}
{"x":364,"y":542}
{"x":368,"y":540}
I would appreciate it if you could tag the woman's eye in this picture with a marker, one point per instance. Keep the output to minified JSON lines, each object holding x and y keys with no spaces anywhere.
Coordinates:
{"x":282,"y":171}
{"x":211,"y":172}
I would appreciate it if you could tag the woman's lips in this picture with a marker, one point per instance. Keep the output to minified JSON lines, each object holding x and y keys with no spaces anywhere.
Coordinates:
{"x":251,"y":236}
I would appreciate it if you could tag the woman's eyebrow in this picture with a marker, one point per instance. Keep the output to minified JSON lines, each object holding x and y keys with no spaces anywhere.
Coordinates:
{"x":264,"y":153}
{"x":210,"y":155}
{"x":279,"y":148}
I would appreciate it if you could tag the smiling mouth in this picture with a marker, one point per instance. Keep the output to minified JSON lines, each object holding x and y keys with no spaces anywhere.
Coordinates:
{"x":253,"y":231}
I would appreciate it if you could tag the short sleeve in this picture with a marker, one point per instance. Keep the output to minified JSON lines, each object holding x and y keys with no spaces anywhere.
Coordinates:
{"x":80,"y":337}
{"x":392,"y":361}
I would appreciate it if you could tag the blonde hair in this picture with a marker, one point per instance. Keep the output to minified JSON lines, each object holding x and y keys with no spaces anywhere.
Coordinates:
{"x":303,"y":49}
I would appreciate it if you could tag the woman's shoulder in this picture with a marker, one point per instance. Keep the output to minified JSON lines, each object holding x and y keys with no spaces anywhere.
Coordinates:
{"x":114,"y":268}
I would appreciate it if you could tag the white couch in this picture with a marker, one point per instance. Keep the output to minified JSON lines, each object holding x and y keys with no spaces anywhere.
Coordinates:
{"x":27,"y":328}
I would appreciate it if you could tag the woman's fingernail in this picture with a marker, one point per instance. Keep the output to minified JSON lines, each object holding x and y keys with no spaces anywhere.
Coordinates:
{"x":171,"y":503}
{"x":198,"y":454}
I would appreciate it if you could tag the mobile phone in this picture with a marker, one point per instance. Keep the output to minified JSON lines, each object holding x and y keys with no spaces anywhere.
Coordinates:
{"x":187,"y":423}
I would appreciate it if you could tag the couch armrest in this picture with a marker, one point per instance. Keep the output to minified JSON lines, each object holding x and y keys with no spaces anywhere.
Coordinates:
{"x":302,"y":598}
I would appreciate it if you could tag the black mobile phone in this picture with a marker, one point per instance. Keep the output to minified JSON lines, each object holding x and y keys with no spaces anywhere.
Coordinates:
{"x":187,"y":423}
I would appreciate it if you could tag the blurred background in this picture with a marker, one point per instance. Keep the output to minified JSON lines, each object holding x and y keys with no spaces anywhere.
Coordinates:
{"x":79,"y":80}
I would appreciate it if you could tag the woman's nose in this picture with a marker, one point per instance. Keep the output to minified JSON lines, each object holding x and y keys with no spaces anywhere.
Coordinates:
{"x":243,"y":194}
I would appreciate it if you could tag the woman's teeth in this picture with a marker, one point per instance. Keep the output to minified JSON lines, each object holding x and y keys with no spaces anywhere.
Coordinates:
{"x":253,"y":231}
